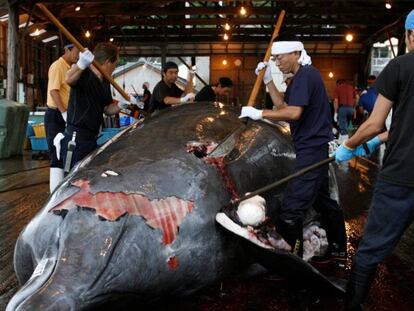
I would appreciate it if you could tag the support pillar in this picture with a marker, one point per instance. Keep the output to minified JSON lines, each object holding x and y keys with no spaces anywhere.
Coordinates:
{"x":13,"y":51}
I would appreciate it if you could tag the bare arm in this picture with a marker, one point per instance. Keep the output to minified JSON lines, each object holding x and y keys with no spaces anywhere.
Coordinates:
{"x":57,"y":100}
{"x":383,"y":136}
{"x":73,"y":75}
{"x":286,"y":113}
{"x":111,"y":109}
{"x":374,"y":124}
{"x":277,"y":98}
{"x":168,"y":100}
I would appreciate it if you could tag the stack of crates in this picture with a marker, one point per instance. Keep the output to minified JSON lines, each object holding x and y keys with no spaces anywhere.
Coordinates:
{"x":126,"y":121}
{"x":38,"y":141}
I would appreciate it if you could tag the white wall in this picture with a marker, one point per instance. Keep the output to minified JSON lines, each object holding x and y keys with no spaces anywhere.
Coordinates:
{"x":137,"y":77}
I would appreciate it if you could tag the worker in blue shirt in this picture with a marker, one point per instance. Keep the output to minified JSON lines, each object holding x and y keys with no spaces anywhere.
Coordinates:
{"x":305,"y":106}
{"x":369,"y":96}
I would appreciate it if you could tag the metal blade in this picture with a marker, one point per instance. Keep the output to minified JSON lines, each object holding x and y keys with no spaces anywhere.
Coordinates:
{"x":228,"y":143}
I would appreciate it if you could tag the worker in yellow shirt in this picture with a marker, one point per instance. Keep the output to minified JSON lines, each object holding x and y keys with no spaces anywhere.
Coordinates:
{"x":57,"y":104}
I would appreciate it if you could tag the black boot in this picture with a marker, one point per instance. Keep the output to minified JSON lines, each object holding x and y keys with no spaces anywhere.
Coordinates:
{"x":334,"y":224}
{"x":359,"y":284}
{"x":292,"y":233}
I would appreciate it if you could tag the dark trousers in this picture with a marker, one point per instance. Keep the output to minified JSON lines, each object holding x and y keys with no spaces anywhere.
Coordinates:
{"x":310,"y":189}
{"x":345,"y":114}
{"x":54,"y":124}
{"x":85,"y":144}
{"x":391,"y":212}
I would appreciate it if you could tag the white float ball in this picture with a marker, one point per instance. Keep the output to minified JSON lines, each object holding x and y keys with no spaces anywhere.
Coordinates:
{"x":252,"y":212}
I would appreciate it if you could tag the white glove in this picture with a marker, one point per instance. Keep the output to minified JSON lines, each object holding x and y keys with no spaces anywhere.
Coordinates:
{"x":85,"y":59}
{"x":133,"y":101}
{"x":123,"y":104}
{"x":65,"y":115}
{"x":252,"y":212}
{"x":141,"y":105}
{"x":252,"y":113}
{"x":268,"y":74}
{"x":187,"y":98}
{"x":336,"y":117}
{"x":56,"y":143}
{"x":126,"y":111}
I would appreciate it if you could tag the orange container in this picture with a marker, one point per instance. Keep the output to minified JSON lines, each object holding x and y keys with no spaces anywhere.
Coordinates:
{"x":39,"y":130}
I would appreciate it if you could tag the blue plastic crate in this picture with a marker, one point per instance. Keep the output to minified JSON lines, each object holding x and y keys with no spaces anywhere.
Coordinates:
{"x":106,"y":134}
{"x":29,"y":129}
{"x":38,"y":143}
{"x":124,"y":121}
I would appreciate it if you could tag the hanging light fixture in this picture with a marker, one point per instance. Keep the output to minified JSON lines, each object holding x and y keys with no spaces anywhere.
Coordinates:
{"x":226,"y":37}
{"x":388,"y":5}
{"x":349,"y":37}
{"x":36,"y":32}
{"x":243,"y":11}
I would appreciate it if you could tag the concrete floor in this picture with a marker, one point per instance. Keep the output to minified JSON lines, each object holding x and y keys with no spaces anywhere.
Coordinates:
{"x":24,"y":188}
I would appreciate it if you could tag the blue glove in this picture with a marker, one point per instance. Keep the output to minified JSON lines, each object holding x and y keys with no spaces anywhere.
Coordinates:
{"x":370,"y":146}
{"x":344,"y":153}
{"x":373,"y":144}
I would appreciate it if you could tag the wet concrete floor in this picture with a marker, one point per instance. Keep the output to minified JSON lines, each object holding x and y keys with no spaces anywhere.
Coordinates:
{"x":24,"y":188}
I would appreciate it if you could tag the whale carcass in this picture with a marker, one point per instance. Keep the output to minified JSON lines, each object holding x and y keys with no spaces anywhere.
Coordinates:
{"x":135,"y":220}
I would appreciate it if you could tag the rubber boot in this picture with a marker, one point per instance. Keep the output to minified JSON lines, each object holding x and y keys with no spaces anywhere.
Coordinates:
{"x":334,"y":224}
{"x":359,"y":284}
{"x":55,"y":178}
{"x":292,"y":233}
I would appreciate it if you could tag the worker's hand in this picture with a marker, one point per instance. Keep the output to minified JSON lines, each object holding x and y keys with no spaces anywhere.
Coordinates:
{"x":140,"y":105}
{"x":134,"y":101}
{"x":64,"y":115}
{"x":336,"y":117}
{"x":85,"y":59}
{"x":252,"y":113}
{"x":126,"y":111}
{"x":268,"y":74}
{"x":123,"y":104}
{"x":344,"y":153}
{"x":373,"y":144}
{"x":370,"y":146}
{"x":187,"y":98}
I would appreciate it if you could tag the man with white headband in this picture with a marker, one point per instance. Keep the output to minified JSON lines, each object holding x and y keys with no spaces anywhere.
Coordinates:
{"x":306,"y":107}
{"x":392,"y":205}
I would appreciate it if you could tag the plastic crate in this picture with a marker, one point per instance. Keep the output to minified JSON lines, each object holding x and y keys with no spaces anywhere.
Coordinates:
{"x":39,"y":143}
{"x":124,"y":121}
{"x":39,"y":130}
{"x":29,"y":129}
{"x":107,"y":134}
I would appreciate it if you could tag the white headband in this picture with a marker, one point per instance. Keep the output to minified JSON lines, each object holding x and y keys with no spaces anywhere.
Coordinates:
{"x":284,"y":47}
